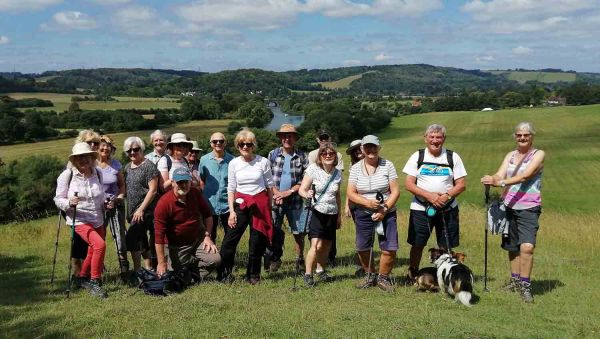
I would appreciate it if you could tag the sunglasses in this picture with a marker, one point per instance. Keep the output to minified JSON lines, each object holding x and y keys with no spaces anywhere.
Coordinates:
{"x":527,"y":135}
{"x":245,"y":144}
{"x":133,"y":150}
{"x":92,"y":143}
{"x":217,"y":141}
{"x":323,"y":137}
{"x":328,"y":154}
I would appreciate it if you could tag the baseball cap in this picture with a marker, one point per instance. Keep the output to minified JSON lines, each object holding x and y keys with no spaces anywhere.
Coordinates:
{"x":181,"y":174}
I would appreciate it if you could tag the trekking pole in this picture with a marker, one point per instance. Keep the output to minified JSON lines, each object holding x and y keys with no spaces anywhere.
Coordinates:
{"x":56,"y":246}
{"x":485,"y":262}
{"x":306,"y":223}
{"x":379,"y":197}
{"x":112,"y":224}
{"x":71,"y":251}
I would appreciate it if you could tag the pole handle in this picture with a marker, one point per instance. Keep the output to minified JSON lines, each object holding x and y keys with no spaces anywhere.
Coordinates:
{"x":314,"y":189}
{"x":487,"y":193}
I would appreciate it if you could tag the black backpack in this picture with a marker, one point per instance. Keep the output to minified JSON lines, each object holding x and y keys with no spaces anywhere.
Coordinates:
{"x":169,"y":283}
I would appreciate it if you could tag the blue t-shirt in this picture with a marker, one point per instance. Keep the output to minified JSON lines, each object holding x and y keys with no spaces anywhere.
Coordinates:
{"x":215,"y":176}
{"x":286,"y":175}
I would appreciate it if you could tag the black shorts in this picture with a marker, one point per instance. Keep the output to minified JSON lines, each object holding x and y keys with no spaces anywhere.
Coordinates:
{"x":140,"y":236}
{"x":322,"y":226}
{"x":523,"y":228}
{"x":80,"y":247}
{"x":420,"y":227}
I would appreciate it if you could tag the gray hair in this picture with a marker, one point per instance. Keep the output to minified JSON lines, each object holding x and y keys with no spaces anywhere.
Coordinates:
{"x":525,"y":125}
{"x":435,"y":128}
{"x":133,"y":140}
{"x":158,"y":133}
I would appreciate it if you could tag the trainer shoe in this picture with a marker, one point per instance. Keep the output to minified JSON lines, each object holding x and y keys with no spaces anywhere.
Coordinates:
{"x":368,"y":281}
{"x":513,"y":285}
{"x":525,"y":290}
{"x":309,"y":281}
{"x":96,"y":290}
{"x":274,"y":266}
{"x":324,"y":276}
{"x":385,"y":283}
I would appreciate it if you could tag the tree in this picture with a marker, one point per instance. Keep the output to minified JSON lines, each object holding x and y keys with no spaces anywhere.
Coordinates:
{"x":73,"y":108}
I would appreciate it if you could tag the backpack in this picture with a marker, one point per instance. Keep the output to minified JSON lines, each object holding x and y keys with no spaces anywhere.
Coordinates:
{"x":449,"y":157}
{"x":169,"y":283}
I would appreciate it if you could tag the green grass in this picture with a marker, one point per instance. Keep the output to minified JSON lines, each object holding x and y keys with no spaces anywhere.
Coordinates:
{"x":62,"y":102}
{"x":62,"y":147}
{"x":340,"y":83}
{"x":565,"y":271}
{"x":545,"y":77}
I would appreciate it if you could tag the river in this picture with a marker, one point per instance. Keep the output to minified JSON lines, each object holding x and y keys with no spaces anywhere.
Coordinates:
{"x":280,"y":118}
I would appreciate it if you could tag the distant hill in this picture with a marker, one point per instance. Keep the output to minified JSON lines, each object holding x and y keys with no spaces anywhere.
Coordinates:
{"x":547,"y":76}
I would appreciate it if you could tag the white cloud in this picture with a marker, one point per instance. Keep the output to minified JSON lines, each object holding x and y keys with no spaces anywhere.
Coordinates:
{"x":520,"y":50}
{"x":4,"y":39}
{"x":382,"y":57}
{"x":351,"y":62}
{"x":141,"y":21}
{"x":484,"y":59}
{"x":26,"y":5}
{"x":68,"y":20}
{"x":111,"y":2}
{"x":184,"y":44}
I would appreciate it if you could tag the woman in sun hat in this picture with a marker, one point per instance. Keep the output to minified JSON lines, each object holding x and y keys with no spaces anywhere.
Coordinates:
{"x":179,"y":147}
{"x":193,"y":159}
{"x":114,"y":188}
{"x":520,"y":176}
{"x":141,"y":182}
{"x":80,"y":194}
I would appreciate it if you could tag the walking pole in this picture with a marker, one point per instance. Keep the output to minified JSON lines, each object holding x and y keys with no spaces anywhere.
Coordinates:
{"x":112,"y":224}
{"x":485,"y":263}
{"x":72,"y":242}
{"x":379,"y":197}
{"x":56,"y":246}
{"x":308,"y":215}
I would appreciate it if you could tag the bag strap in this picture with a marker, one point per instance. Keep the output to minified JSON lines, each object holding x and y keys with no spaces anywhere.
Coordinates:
{"x":333,"y":175}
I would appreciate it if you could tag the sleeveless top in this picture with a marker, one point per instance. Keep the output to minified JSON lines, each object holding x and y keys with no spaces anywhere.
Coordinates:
{"x":527,"y":194}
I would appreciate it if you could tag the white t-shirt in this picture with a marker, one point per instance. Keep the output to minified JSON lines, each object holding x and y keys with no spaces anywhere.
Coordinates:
{"x":327,"y":203}
{"x":312,"y":158}
{"x":432,"y":177}
{"x":369,"y":185}
{"x":249,"y":177}
{"x":162,"y":165}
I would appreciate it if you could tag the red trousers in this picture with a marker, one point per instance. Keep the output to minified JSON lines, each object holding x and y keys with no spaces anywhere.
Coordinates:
{"x":94,"y":261}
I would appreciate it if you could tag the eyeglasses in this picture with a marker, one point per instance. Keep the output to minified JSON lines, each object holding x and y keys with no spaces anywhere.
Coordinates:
{"x":245,"y":144}
{"x":217,"y":141}
{"x":286,"y":135}
{"x":328,"y":154}
{"x":526,"y":135}
{"x":92,"y":143}
{"x":324,"y":137}
{"x":133,"y":150}
{"x":195,"y":152}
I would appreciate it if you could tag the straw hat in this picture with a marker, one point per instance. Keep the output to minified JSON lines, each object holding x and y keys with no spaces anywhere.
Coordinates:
{"x":287,"y":128}
{"x":81,"y":148}
{"x":178,"y":138}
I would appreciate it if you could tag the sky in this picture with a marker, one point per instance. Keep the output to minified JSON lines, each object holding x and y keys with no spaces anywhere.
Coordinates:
{"x":279,"y":35}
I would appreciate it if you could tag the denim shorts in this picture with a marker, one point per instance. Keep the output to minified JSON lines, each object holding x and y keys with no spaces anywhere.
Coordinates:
{"x":365,"y":228}
{"x":524,"y":225}
{"x":292,"y":216}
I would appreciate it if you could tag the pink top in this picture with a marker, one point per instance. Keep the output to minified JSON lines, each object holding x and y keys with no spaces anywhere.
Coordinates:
{"x":527,"y":194}
{"x":91,"y":197}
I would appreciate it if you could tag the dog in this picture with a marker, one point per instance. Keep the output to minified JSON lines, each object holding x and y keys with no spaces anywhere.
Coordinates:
{"x":426,"y":277}
{"x":455,"y":278}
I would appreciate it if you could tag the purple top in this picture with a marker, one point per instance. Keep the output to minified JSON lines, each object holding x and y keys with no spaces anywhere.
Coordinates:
{"x":109,"y":178}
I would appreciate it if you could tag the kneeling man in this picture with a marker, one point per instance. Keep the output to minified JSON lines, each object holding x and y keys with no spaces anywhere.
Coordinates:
{"x":179,"y":220}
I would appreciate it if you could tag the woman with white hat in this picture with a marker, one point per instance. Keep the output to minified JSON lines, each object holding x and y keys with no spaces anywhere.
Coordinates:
{"x":80,"y":194}
{"x":193,"y":159}
{"x":179,"y":147}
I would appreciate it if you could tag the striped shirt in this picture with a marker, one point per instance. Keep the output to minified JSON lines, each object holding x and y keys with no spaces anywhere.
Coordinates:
{"x":527,"y":194}
{"x":369,"y":185}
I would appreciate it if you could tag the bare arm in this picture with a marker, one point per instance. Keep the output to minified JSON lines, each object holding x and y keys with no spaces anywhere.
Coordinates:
{"x":411,"y":186}
{"x":305,"y":187}
{"x":358,"y":199}
{"x":536,"y":165}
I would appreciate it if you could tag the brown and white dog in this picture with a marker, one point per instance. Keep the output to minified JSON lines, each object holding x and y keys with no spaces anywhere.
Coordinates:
{"x":426,"y":277}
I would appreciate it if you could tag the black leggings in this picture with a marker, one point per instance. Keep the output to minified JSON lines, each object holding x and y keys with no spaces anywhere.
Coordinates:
{"x":256,"y":246}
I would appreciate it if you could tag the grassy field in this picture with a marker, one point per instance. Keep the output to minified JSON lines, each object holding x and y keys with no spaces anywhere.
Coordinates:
{"x":62,"y":102}
{"x":564,"y":274}
{"x":61,"y":148}
{"x":340,"y":83}
{"x":546,"y":77}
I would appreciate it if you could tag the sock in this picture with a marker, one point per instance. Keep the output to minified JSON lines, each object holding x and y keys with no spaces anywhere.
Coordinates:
{"x":515,"y":276}
{"x":319,"y":271}
{"x":525,"y":279}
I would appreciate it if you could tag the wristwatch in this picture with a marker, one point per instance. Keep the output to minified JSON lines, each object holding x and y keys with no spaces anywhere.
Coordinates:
{"x":502,"y":183}
{"x":449,"y":196}
{"x":292,"y":190}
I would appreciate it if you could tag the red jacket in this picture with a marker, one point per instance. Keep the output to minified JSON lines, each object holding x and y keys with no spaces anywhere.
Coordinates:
{"x":261,"y":212}
{"x":179,"y":222}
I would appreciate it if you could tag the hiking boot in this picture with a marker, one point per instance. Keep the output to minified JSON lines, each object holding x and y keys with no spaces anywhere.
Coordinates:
{"x":309,"y":281}
{"x":525,"y":289}
{"x":385,"y":283}
{"x":359,"y":272}
{"x":274,"y":266}
{"x":254,"y":280}
{"x":78,"y":282}
{"x":513,"y":285}
{"x":323,"y":276}
{"x":369,"y":280}
{"x":96,"y":290}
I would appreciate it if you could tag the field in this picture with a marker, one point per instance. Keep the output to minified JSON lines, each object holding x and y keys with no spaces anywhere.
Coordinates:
{"x":62,"y":147}
{"x":62,"y":102}
{"x":340,"y":83}
{"x":546,"y":77}
{"x":564,"y":275}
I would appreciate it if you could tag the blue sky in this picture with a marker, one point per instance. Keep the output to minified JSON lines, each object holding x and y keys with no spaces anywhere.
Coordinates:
{"x":213,"y":35}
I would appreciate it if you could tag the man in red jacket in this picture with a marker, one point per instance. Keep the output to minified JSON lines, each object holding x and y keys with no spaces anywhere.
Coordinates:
{"x":180,"y":218}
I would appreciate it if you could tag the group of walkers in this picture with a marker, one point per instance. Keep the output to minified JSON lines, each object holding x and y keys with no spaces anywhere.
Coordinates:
{"x":177,"y":200}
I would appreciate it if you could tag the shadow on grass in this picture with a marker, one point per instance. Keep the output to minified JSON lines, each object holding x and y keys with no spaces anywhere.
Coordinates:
{"x":540,"y":287}
{"x":18,"y":284}
{"x":31,"y":328}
